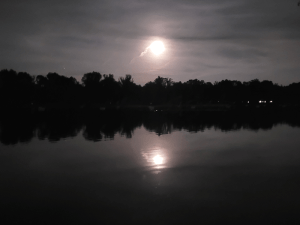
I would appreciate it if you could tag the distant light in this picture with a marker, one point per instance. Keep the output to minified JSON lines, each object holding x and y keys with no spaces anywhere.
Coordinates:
{"x":271,"y":101}
{"x":259,"y":101}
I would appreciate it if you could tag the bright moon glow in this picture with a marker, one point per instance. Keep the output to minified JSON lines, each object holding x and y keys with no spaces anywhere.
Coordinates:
{"x":157,"y":47}
{"x":158,"y":159}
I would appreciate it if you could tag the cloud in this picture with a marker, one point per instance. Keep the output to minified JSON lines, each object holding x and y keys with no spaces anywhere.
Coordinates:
{"x":144,"y":52}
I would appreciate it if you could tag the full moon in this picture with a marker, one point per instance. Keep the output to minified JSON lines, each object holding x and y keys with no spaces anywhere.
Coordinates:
{"x":157,"y":47}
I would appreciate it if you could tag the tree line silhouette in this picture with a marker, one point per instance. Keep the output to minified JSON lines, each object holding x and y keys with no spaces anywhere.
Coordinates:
{"x":21,"y":88}
{"x":98,"y":126}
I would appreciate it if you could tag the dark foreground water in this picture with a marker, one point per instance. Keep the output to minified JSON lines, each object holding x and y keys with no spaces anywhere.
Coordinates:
{"x":149,"y":169}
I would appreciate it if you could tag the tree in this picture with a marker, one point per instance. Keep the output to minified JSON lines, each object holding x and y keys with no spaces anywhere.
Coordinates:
{"x":41,"y":81}
{"x":126,"y":81}
{"x":91,"y":79}
{"x":163,"y":82}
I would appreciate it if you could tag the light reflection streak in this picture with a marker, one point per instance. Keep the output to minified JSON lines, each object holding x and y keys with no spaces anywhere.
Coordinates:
{"x":155,"y":158}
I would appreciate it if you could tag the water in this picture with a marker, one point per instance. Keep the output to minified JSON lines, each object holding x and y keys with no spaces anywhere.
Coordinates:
{"x":149,"y":170}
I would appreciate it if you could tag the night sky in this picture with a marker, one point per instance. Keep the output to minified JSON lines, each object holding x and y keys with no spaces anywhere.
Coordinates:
{"x":209,"y":40}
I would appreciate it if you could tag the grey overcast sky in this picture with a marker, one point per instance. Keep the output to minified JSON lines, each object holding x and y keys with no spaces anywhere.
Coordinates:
{"x":209,"y":40}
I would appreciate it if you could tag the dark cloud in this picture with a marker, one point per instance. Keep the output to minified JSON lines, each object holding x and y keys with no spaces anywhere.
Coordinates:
{"x":234,"y":39}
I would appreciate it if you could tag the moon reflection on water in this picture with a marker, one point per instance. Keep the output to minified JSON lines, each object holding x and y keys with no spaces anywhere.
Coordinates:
{"x":155,"y":158}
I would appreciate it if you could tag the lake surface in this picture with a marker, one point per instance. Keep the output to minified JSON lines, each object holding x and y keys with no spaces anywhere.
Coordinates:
{"x":153,"y":169}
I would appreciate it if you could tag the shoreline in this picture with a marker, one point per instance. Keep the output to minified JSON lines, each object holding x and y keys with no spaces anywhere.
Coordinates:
{"x":205,"y":107}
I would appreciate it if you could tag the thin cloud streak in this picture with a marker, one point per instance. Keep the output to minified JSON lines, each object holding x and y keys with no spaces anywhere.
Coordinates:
{"x":144,"y":52}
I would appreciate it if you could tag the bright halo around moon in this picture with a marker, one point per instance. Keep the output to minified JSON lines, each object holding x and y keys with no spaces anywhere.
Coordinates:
{"x":157,"y":47}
